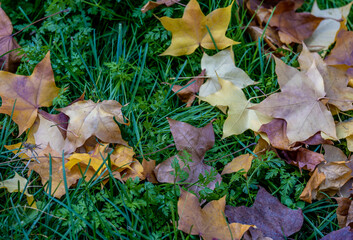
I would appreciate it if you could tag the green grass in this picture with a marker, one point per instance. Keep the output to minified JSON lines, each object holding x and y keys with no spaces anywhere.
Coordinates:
{"x":109,"y":50}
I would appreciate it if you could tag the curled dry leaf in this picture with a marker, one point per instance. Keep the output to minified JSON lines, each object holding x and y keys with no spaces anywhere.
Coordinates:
{"x":240,"y":117}
{"x":238,"y":163}
{"x":93,"y":119}
{"x":208,"y":222}
{"x":18,"y":184}
{"x":148,"y":170}
{"x":190,"y":31}
{"x":314,"y":182}
{"x":29,"y":93}
{"x":221,"y":65}
{"x":271,"y":217}
{"x":151,"y":5}
{"x":325,"y":34}
{"x":195,"y":141}
{"x":300,"y":104}
{"x":10,"y":58}
{"x":344,"y":211}
{"x":188,"y":94}
{"x":302,"y":157}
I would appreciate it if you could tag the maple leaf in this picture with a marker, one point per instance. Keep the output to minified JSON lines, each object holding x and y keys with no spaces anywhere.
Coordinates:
{"x":18,"y":184}
{"x":268,"y":215}
{"x":341,"y":54}
{"x":29,"y":93}
{"x":335,"y":80}
{"x":151,"y":5}
{"x":93,"y":119}
{"x":191,"y":31}
{"x":291,"y":25}
{"x":325,"y":34}
{"x":222,"y":65}
{"x":240,"y":117}
{"x":335,"y":174}
{"x":238,"y":163}
{"x":188,"y":94}
{"x":345,"y":130}
{"x":9,"y":60}
{"x":195,"y":141}
{"x":208,"y":222}
{"x":300,"y":105}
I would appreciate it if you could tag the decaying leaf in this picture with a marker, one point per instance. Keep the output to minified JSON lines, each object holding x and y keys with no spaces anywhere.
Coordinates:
{"x":29,"y":93}
{"x":192,"y":30}
{"x":10,"y":58}
{"x":325,"y":34}
{"x":208,"y":222}
{"x":151,"y":5}
{"x":342,"y":234}
{"x":188,"y":94}
{"x":344,"y":211}
{"x":148,"y":170}
{"x":335,"y":80}
{"x":302,"y":157}
{"x":93,"y":119}
{"x":268,"y":215}
{"x":335,"y":174}
{"x":238,"y":163}
{"x":240,"y":117}
{"x":195,"y":141}
{"x":300,"y":104}
{"x":18,"y":184}
{"x":221,"y":65}
{"x":341,"y":54}
{"x":345,"y":130}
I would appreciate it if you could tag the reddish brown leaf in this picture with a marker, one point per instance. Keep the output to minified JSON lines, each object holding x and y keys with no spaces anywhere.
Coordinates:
{"x":303,"y":158}
{"x":341,"y":54}
{"x":188,"y":94}
{"x":269,"y":216}
{"x":148,"y":170}
{"x":11,"y":60}
{"x":344,"y":211}
{"x":151,"y":5}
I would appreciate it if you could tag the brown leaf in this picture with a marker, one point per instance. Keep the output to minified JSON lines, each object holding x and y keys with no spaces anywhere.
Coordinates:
{"x":342,"y":234}
{"x":93,"y":119}
{"x":148,"y":170}
{"x":208,"y":222}
{"x":195,"y":141}
{"x":255,"y":234}
{"x":341,"y":54}
{"x":301,"y":96}
{"x":188,"y":94}
{"x":302,"y":157}
{"x":293,"y":26}
{"x":314,"y":182}
{"x":238,"y":163}
{"x":344,"y":211}
{"x":268,"y":215}
{"x":10,"y":59}
{"x":151,"y":5}
{"x":29,"y":93}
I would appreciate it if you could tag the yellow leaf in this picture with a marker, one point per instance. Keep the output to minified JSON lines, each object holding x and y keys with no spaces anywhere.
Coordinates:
{"x":18,"y":183}
{"x":345,"y":130}
{"x":190,"y":31}
{"x":238,"y":163}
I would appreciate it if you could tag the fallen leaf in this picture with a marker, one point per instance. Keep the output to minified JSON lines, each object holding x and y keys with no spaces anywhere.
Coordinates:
{"x":10,"y":59}
{"x":255,"y":234}
{"x":240,"y":117}
{"x":93,"y":119}
{"x":268,"y":215}
{"x":335,"y":80}
{"x":341,"y":54}
{"x":342,"y":234}
{"x":148,"y":170}
{"x":190,"y":31}
{"x":302,"y":157}
{"x":208,"y":222}
{"x":151,"y":5}
{"x":195,"y":141}
{"x":325,"y":34}
{"x":18,"y":184}
{"x":52,"y":162}
{"x":314,"y":182}
{"x":29,"y":93}
{"x":221,"y":65}
{"x":345,"y":130}
{"x":188,"y":94}
{"x":293,"y":26}
{"x":238,"y":163}
{"x":301,"y":96}
{"x":344,"y":211}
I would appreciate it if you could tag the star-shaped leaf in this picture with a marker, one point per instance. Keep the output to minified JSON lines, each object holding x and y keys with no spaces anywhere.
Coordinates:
{"x":190,"y":31}
{"x":240,"y":118}
{"x":29,"y":93}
